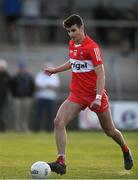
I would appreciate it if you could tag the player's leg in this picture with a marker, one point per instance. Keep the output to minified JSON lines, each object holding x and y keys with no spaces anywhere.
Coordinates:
{"x":108,"y":126}
{"x":67,"y":111}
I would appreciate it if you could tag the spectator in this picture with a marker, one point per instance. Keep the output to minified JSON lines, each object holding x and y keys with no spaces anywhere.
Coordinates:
{"x":100,"y":13}
{"x":113,"y":33}
{"x":4,"y":88}
{"x":106,"y":11}
{"x":52,"y":10}
{"x":12,"y":12}
{"x":46,"y":87}
{"x":128,"y":34}
{"x":31,"y":12}
{"x":135,"y":10}
{"x":22,"y":91}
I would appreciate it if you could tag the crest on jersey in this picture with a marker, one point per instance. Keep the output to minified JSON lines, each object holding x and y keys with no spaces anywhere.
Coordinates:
{"x":71,"y":51}
{"x":81,"y":54}
{"x":75,"y":52}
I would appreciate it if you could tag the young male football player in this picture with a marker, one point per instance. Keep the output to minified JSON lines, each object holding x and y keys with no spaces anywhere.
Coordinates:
{"x":87,"y":89}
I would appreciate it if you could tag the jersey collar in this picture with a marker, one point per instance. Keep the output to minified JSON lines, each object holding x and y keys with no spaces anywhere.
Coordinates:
{"x":83,"y":42}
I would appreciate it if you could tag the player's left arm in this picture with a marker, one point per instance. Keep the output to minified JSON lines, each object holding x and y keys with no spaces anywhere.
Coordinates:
{"x":99,"y":70}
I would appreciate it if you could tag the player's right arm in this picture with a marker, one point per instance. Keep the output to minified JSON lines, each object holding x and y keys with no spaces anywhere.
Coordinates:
{"x":61,"y":68}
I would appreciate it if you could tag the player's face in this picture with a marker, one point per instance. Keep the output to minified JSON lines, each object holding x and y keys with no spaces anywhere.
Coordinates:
{"x":75,"y":32}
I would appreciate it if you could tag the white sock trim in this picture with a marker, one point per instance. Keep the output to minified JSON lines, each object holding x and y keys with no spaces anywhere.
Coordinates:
{"x":63,"y":155}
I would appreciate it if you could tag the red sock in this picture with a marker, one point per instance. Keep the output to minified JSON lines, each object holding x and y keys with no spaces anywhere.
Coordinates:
{"x":61,"y":160}
{"x":125,"y":148}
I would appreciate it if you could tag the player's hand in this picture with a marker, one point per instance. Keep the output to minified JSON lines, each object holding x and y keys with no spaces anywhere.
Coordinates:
{"x":49,"y":70}
{"x":96,"y":104}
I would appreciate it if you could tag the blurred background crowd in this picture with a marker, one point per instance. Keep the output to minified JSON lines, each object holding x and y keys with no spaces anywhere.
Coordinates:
{"x":40,"y":19}
{"x":31,"y":34}
{"x":109,"y":21}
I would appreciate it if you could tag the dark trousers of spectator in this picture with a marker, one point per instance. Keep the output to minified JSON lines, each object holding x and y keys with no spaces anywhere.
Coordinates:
{"x":2,"y":123}
{"x":44,"y":105}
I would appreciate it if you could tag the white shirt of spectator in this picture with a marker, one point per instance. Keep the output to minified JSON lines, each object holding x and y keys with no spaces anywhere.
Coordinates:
{"x":42,"y":80}
{"x":31,"y":8}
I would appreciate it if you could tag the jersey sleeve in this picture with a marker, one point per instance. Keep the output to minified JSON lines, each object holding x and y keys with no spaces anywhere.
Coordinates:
{"x":95,"y":55}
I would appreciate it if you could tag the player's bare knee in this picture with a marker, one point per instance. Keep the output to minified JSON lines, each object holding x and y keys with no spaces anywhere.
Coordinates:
{"x":110,"y":132}
{"x":58,"y":123}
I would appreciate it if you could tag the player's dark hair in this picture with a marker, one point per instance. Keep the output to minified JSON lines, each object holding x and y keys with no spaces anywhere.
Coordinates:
{"x":74,"y":19}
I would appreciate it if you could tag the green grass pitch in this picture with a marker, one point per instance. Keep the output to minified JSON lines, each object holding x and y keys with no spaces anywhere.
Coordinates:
{"x":90,"y":155}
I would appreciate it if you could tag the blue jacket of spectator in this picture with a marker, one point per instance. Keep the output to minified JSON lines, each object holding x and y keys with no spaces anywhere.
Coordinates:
{"x":12,"y":7}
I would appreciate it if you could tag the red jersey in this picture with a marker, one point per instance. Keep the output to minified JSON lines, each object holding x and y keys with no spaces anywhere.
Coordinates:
{"x":83,"y":58}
